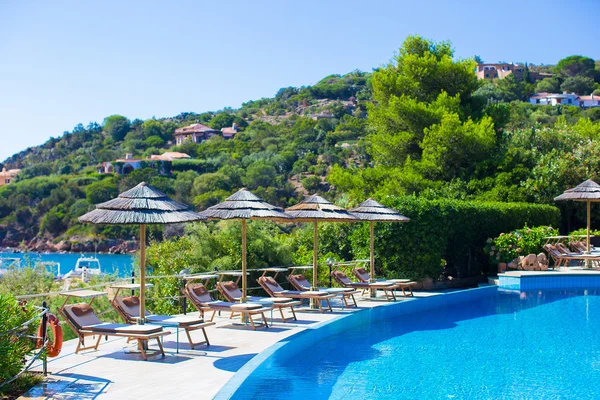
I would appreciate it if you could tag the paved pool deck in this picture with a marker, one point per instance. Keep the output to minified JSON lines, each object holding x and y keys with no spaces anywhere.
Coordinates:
{"x":113,"y":372}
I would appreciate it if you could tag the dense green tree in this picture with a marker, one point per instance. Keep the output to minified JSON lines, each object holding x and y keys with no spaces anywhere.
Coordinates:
{"x":453,"y":149}
{"x":548,"y":85}
{"x":116,"y":126}
{"x":578,"y":85}
{"x":413,"y":92}
{"x":152,"y":127}
{"x":258,"y":174}
{"x":576,"y":66}
{"x":55,"y":220}
{"x":101,"y":191}
{"x":311,"y":183}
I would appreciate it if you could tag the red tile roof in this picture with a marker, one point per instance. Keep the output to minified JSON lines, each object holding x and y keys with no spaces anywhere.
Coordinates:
{"x":194,"y":128}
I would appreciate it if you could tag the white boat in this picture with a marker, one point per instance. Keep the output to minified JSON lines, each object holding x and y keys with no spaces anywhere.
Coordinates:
{"x":8,"y":261}
{"x":85,"y":268}
{"x":53,"y":267}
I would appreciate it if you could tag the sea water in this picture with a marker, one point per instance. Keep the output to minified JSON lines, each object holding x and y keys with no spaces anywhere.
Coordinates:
{"x":119,"y":264}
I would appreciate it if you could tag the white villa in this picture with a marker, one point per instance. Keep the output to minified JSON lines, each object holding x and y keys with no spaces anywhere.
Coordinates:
{"x":570,"y":99}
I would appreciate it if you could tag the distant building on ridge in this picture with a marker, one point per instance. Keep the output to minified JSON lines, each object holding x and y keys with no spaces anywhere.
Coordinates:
{"x":229,"y":133}
{"x":501,"y":71}
{"x":195,"y":132}
{"x":7,"y":176}
{"x":567,"y":99}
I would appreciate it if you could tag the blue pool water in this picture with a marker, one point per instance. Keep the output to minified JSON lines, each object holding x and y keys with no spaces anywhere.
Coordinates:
{"x":528,"y":345}
{"x":119,"y":264}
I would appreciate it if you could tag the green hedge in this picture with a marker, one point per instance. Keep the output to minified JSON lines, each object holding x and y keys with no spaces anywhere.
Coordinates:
{"x":200,"y":166}
{"x":448,"y":232}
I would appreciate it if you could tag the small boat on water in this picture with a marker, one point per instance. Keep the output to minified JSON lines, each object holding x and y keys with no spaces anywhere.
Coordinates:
{"x":6,"y":262}
{"x":85,"y":268}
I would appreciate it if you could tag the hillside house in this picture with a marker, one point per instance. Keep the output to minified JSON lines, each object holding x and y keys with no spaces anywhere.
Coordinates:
{"x":122,"y":166}
{"x":568,"y":99}
{"x":500,"y":71}
{"x":169,"y":156}
{"x":7,"y":176}
{"x":229,"y":133}
{"x":589,"y":101}
{"x":195,"y":132}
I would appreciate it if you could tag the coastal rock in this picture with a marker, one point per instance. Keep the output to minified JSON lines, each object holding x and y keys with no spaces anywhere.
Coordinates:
{"x":63,"y":246}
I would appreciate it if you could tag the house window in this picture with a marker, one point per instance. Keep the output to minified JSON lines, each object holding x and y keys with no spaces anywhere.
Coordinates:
{"x":487,"y":75}
{"x":7,"y":181}
{"x":537,"y":101}
{"x":570,"y":101}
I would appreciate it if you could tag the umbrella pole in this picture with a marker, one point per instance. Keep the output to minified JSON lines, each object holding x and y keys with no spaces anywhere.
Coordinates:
{"x":142,"y":271}
{"x":244,"y":280}
{"x":244,"y":261}
{"x":588,"y":225}
{"x":372,"y":256}
{"x":314,"y":302}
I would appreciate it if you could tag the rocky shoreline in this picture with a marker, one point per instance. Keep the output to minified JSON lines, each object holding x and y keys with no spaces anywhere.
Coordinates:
{"x":75,"y":245}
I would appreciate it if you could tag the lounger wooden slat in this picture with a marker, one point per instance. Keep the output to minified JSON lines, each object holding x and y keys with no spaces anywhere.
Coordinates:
{"x":300,"y":283}
{"x":200,"y":297}
{"x":273,"y":289}
{"x":388,"y":288}
{"x":128,"y":308}
{"x":232,"y":293}
{"x":404,"y":284}
{"x":85,"y":323}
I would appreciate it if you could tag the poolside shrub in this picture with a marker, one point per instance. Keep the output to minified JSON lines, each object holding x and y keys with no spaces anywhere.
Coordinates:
{"x":521,"y":242}
{"x":445,"y":237}
{"x":14,"y":346}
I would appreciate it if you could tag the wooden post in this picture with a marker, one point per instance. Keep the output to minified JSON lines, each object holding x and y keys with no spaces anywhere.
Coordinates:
{"x":315,"y":255}
{"x":588,"y":225}
{"x":314,"y":303}
{"x":243,"y":261}
{"x":372,"y":258}
{"x":142,"y":271}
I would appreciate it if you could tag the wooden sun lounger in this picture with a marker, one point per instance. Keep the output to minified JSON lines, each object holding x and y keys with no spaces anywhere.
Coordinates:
{"x":200,"y":297}
{"x":300,"y":283}
{"x":404,"y":284}
{"x":128,"y":308}
{"x":273,"y":288}
{"x":232,"y":293}
{"x":387,"y":287}
{"x":84,"y":322}
{"x":561,"y":258}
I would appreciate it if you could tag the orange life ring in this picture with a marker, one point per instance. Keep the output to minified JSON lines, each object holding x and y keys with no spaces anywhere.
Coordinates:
{"x":55,"y":347}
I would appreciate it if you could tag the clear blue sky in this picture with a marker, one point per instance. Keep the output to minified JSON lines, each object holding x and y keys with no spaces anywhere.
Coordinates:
{"x":66,"y":62}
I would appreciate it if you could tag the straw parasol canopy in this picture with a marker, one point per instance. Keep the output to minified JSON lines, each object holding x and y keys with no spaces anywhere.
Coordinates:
{"x":588,"y":191}
{"x":244,"y":205}
{"x":141,"y":205}
{"x":372,"y":211}
{"x":316,"y":209}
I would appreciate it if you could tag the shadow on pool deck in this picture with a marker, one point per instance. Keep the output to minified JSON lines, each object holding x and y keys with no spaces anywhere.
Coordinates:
{"x":69,"y":387}
{"x":233,"y":363}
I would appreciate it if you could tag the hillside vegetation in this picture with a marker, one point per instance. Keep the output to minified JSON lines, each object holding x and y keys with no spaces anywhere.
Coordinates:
{"x":422,"y":125}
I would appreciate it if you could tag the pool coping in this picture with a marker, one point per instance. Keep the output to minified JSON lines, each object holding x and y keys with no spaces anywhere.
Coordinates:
{"x":373,"y":314}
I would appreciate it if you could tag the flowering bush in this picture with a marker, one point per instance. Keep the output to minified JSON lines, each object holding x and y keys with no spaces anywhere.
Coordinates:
{"x":508,"y":246}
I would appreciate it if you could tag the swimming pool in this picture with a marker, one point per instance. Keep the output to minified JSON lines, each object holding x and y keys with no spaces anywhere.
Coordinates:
{"x":526,"y":345}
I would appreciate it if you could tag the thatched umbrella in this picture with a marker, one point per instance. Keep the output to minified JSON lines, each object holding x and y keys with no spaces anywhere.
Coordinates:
{"x":141,"y":205}
{"x":372,"y":211}
{"x":316,"y":209}
{"x":244,"y":205}
{"x":587,"y":191}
